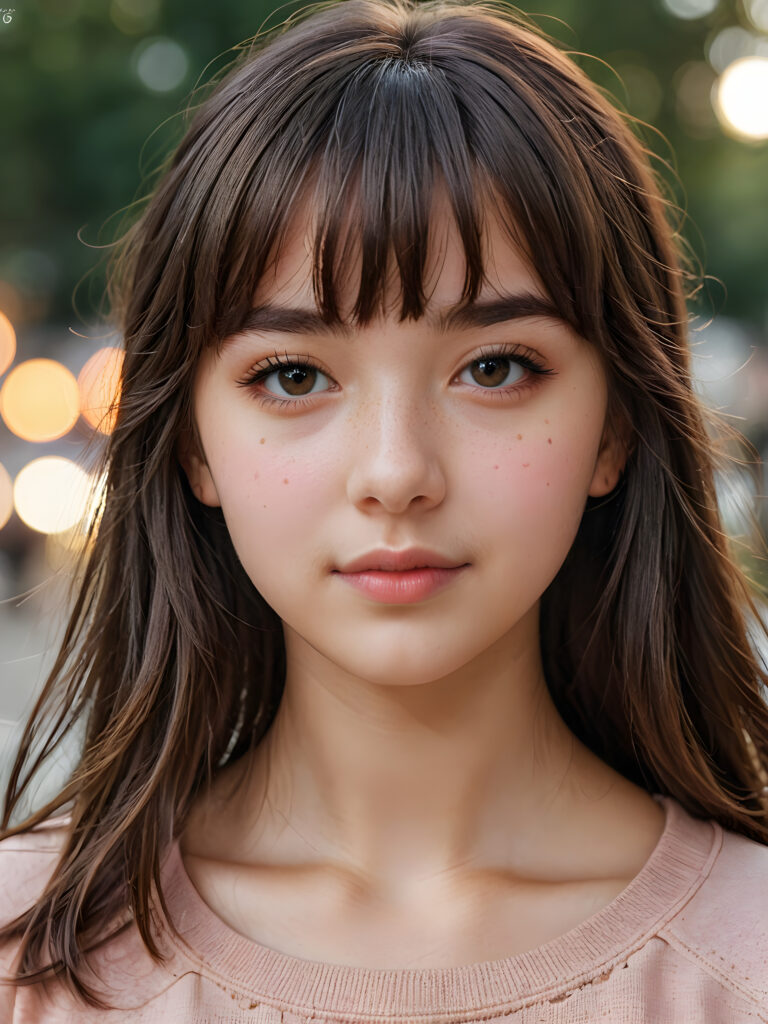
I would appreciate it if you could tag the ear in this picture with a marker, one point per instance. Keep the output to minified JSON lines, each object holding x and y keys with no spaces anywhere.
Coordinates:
{"x":615,"y":449}
{"x":196,"y":468}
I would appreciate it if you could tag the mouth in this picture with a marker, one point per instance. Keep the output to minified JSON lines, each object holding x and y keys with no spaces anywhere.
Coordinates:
{"x":402,"y":586}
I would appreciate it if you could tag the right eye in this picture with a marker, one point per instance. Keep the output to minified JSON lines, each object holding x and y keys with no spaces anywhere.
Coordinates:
{"x":296,"y":377}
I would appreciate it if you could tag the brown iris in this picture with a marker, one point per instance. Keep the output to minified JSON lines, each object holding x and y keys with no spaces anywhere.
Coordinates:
{"x":494,"y":370}
{"x":299,"y":376}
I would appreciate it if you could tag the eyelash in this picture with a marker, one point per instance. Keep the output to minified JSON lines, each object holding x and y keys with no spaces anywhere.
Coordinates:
{"x":277,"y":361}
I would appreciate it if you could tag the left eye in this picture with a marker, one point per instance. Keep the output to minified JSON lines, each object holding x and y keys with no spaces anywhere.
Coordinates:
{"x":492,"y":370}
{"x":298,"y":376}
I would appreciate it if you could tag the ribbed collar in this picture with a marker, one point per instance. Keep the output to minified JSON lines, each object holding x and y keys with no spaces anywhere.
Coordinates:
{"x":677,"y":866}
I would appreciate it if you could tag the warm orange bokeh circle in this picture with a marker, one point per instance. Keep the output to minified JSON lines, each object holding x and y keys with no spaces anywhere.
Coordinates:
{"x":6,"y":496}
{"x":39,"y":400}
{"x":7,"y":343}
{"x":99,"y":383}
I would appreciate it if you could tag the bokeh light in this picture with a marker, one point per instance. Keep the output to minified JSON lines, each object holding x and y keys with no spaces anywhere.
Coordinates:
{"x":690,"y":9}
{"x":39,"y":400}
{"x":733,"y":43}
{"x":51,"y":494}
{"x":7,"y":343}
{"x":6,"y":496}
{"x":99,"y":384}
{"x":160,"y":63}
{"x":757,"y":12}
{"x":740,"y":98}
{"x":62,"y":547}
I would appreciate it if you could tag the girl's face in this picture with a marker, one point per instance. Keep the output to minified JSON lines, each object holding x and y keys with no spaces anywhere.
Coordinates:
{"x":400,"y":435}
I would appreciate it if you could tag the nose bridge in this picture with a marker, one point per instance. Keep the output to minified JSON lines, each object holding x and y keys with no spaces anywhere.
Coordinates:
{"x":397,"y":415}
{"x":396,"y":455}
{"x":394,"y":400}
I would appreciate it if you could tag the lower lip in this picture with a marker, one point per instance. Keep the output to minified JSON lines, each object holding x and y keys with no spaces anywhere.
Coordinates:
{"x":403,"y":587}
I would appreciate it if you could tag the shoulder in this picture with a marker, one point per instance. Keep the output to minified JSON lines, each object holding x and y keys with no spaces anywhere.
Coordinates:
{"x":724,"y":926}
{"x":120,"y":970}
{"x":27,"y":862}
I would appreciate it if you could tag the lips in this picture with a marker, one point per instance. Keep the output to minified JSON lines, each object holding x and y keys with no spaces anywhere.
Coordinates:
{"x":390,"y":560}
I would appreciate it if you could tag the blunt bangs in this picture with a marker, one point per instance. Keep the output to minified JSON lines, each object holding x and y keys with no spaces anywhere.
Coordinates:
{"x":362,"y":152}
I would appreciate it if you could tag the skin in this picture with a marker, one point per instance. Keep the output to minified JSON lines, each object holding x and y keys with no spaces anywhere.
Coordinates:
{"x":418,"y":800}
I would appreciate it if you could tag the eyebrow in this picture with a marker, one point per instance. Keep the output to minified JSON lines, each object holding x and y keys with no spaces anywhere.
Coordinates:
{"x":482,"y":313}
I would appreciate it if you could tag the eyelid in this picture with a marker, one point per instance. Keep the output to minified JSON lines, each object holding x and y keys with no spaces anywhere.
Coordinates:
{"x":513,"y":350}
{"x":283,"y":357}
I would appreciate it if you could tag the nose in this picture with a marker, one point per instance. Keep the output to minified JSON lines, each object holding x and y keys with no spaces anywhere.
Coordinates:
{"x":396,"y":458}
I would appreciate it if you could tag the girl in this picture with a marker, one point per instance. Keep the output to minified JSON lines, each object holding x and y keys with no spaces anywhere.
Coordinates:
{"x":411,"y":658}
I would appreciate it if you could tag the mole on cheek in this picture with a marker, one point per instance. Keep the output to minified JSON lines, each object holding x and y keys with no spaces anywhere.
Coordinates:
{"x":519,"y":437}
{"x":285,"y":480}
{"x":261,"y":440}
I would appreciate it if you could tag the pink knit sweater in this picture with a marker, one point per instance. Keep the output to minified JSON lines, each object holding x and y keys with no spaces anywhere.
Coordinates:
{"x":686,"y":941}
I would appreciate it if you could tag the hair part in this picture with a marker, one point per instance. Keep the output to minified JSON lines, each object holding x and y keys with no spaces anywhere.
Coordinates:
{"x":362,"y":109}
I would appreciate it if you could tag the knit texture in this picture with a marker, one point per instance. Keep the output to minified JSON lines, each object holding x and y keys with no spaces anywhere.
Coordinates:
{"x":685,"y":941}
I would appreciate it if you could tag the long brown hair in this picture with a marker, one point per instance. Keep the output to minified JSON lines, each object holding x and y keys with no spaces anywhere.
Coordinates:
{"x":645,"y":631}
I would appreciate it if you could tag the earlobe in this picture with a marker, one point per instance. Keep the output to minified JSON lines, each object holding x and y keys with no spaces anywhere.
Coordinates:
{"x":198,"y":474}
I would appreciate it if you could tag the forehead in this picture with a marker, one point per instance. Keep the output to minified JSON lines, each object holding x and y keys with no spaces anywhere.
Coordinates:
{"x":287,"y":280}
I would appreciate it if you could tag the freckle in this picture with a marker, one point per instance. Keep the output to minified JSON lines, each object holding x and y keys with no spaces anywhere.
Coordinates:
{"x":526,"y":465}
{"x":285,"y":480}
{"x":549,"y":440}
{"x":261,"y":440}
{"x":519,"y":437}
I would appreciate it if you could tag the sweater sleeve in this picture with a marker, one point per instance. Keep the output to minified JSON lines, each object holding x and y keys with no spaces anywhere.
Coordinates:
{"x":26,"y":864}
{"x":723,"y":930}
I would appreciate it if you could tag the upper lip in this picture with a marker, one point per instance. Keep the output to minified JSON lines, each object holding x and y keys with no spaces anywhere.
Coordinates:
{"x":406,"y":558}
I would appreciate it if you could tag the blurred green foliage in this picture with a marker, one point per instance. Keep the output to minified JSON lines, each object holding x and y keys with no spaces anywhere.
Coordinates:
{"x":81,"y":130}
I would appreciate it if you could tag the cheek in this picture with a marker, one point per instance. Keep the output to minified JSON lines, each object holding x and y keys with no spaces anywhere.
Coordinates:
{"x":265,"y":485}
{"x":270,"y":501}
{"x":534,"y":487}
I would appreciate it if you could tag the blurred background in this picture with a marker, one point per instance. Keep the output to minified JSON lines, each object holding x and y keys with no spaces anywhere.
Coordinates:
{"x":92,"y":93}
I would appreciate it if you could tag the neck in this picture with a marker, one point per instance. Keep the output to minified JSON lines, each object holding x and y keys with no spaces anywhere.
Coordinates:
{"x":400,"y":782}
